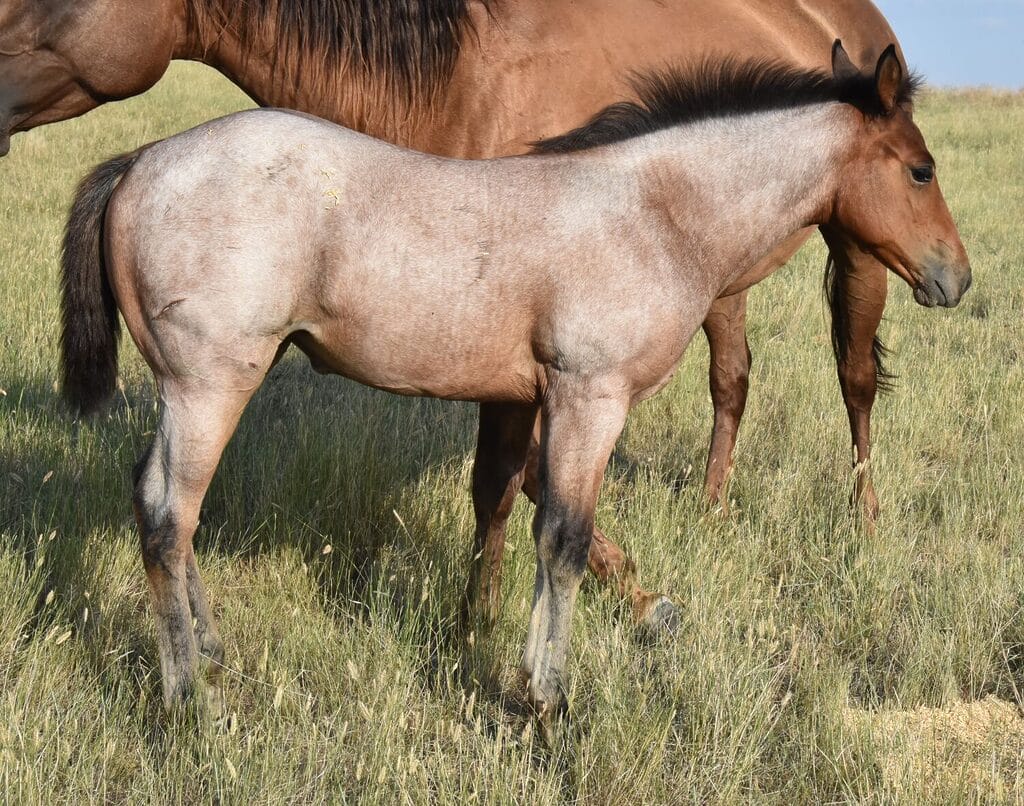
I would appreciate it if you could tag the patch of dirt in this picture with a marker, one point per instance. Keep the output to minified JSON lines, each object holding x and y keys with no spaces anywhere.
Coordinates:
{"x":975,"y":746}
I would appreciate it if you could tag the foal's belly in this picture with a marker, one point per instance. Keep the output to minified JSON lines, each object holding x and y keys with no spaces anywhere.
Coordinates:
{"x":432,"y":327}
{"x":424,"y":366}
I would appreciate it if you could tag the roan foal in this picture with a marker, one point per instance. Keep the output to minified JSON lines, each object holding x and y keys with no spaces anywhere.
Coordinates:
{"x":569,"y":282}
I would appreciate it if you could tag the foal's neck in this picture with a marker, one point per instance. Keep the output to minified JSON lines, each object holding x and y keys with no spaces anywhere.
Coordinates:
{"x":736,"y":187}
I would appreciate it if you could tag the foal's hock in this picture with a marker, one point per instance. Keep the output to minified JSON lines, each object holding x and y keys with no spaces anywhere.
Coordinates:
{"x":563,"y":286}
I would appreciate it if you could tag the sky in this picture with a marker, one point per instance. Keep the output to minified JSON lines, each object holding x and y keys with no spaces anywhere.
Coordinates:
{"x":958,"y":43}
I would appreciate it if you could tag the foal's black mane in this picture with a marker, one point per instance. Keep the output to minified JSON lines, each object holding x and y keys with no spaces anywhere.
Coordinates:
{"x":411,"y":46}
{"x":731,"y":87}
{"x":716,"y":89}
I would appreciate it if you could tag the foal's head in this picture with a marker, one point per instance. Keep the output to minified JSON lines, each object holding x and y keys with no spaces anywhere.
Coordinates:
{"x":889,"y":202}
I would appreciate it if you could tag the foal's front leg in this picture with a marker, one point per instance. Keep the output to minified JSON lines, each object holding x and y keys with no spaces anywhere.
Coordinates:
{"x":581,"y":421}
{"x":609,"y":564}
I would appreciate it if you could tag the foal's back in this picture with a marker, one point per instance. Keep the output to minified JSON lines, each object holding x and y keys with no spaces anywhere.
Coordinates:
{"x":403,"y":271}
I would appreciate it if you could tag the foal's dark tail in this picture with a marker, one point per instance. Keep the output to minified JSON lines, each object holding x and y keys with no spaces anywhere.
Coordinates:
{"x":88,"y":311}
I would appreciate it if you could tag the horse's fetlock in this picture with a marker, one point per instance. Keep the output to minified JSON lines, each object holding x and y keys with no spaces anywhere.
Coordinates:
{"x":211,"y":647}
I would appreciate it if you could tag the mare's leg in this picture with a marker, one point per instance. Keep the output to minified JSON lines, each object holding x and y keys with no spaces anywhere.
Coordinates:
{"x":609,"y":563}
{"x":170,"y":482}
{"x":858,"y":293}
{"x":501,"y":448}
{"x":725,"y":328}
{"x":581,"y":421}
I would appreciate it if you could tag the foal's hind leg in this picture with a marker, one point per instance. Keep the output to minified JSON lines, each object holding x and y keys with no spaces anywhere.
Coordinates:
{"x":582,"y":420}
{"x":208,"y":641}
{"x":171,"y":480}
{"x":504,"y":436}
{"x":611,"y":566}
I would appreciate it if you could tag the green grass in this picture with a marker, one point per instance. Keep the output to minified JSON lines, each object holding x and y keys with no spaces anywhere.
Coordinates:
{"x":345,"y":681}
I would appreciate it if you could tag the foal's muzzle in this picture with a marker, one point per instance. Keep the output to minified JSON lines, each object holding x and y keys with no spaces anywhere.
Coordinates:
{"x":943,"y":284}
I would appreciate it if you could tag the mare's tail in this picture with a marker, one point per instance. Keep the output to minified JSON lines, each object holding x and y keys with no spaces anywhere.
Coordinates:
{"x":88,"y":311}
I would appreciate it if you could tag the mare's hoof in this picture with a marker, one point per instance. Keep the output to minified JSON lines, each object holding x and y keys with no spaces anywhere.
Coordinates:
{"x":863,"y":499}
{"x":216,"y":706}
{"x":869,"y":511}
{"x":660,"y":617}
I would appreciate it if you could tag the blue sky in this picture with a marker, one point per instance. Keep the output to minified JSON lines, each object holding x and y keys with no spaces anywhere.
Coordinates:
{"x":959,"y":42}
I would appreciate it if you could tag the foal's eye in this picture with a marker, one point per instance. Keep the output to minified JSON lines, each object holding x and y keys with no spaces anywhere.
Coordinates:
{"x":923,"y":174}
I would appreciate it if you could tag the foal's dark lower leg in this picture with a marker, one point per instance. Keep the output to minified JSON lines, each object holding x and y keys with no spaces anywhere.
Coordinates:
{"x":163,"y":556}
{"x":609,"y":564}
{"x":171,"y":480}
{"x":582,"y":420}
{"x":502,"y":441}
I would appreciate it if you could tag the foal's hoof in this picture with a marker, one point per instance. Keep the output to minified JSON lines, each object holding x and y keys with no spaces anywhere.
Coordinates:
{"x":552,"y":730}
{"x":200,"y":701}
{"x":551,"y":706}
{"x":658,"y":616}
{"x":552,"y":721}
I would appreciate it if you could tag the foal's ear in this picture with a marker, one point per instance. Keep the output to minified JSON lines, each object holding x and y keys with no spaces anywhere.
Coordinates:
{"x":842,"y":66}
{"x":889,"y":79}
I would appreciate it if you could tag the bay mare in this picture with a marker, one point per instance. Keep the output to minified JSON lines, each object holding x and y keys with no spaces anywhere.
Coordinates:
{"x":466,"y":78}
{"x":567,"y":285}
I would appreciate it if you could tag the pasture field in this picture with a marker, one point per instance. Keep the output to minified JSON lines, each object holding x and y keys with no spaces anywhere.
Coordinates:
{"x":815,"y":661}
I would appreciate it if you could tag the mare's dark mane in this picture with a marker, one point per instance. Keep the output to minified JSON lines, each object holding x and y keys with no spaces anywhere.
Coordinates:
{"x":716,"y":89}
{"x":409,"y":46}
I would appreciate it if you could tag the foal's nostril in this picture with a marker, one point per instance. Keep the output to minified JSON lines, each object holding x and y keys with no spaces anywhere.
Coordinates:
{"x":946,"y":283}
